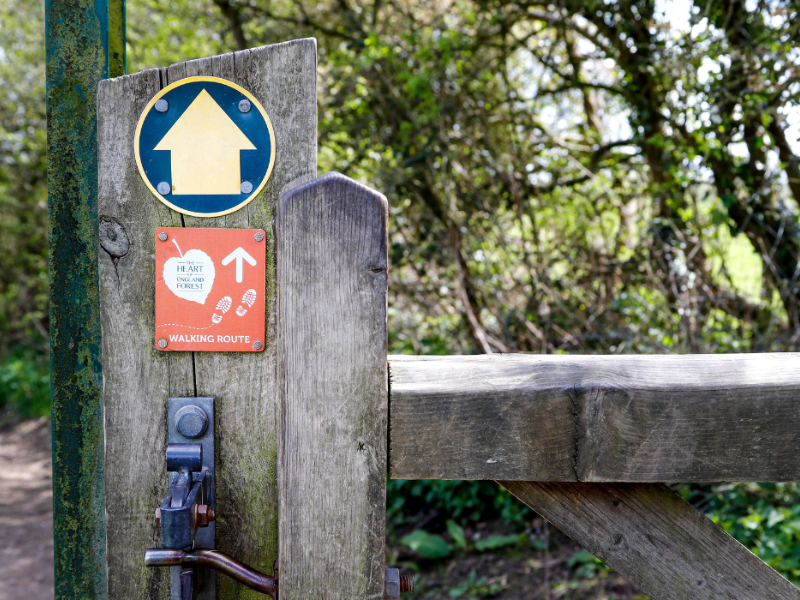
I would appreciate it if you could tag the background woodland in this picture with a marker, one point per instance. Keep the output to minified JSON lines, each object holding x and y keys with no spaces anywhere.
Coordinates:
{"x":566,"y":177}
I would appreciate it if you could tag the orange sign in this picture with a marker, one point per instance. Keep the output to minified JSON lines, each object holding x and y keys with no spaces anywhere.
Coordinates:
{"x":210,"y":286}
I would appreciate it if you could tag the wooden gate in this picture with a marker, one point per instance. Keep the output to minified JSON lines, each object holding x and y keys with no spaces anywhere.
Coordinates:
{"x":307,"y":430}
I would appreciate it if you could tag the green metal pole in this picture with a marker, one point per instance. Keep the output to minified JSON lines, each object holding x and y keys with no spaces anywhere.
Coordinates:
{"x":84,"y":43}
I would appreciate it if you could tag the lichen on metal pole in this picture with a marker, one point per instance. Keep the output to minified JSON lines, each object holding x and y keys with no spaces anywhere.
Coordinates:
{"x":77,"y":53}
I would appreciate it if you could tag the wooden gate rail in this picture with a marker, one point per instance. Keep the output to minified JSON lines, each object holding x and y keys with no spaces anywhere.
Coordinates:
{"x":697,"y":418}
{"x":538,"y":423}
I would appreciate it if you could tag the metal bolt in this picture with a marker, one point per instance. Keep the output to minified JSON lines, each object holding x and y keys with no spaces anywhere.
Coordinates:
{"x":244,"y":106}
{"x":158,"y":517}
{"x":164,"y":188}
{"x":162,"y":343}
{"x":162,"y":105}
{"x":247,"y":187}
{"x":163,"y":236}
{"x":203,"y":515}
{"x":258,"y":236}
{"x":406,"y":584}
{"x":191,"y":421}
{"x":257,"y":345}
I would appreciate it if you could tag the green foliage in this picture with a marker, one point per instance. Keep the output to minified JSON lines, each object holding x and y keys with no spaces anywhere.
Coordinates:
{"x":464,"y":501}
{"x":765,"y":517}
{"x":23,"y":192}
{"x":457,"y":534}
{"x":495,"y":542}
{"x":586,"y":565}
{"x":427,"y":545}
{"x":25,"y":383}
{"x":476,"y":587}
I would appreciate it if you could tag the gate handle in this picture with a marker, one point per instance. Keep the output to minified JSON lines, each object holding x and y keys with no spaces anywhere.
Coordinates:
{"x":160,"y":557}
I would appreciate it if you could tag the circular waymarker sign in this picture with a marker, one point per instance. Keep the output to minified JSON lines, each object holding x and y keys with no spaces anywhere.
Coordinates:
{"x":204,"y":146}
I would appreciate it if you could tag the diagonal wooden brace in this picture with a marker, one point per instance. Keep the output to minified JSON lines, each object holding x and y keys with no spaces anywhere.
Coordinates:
{"x":654,"y":538}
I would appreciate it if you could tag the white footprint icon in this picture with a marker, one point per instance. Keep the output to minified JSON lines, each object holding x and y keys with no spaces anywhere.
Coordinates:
{"x":223,"y":306}
{"x":249,"y":299}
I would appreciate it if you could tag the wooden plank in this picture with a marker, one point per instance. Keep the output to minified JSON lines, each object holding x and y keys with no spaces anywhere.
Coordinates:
{"x":659,"y":542}
{"x":138,"y":378}
{"x":332,"y":253}
{"x":596,"y":418}
{"x":283,"y":78}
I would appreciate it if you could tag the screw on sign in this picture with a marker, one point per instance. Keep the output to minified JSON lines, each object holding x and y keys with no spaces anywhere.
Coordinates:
{"x":210,"y":289}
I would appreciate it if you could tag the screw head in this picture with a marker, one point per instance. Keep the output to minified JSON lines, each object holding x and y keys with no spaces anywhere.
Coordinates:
{"x":164,"y":188}
{"x":191,"y":421}
{"x":162,"y":343}
{"x":244,"y":106}
{"x":247,"y":187}
{"x":163,"y":236}
{"x":162,"y":105}
{"x":258,"y":236}
{"x":257,"y":345}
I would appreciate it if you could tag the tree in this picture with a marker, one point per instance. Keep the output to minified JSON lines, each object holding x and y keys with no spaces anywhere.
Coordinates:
{"x":564,"y":176}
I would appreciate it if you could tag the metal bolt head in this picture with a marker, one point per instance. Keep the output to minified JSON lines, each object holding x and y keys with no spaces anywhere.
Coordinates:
{"x":247,"y":187}
{"x":158,"y":517}
{"x":392,"y":586}
{"x":162,"y":105}
{"x":191,"y":421}
{"x":258,"y":236}
{"x":257,"y":345}
{"x":164,"y":188}
{"x":203,"y":515}
{"x":244,"y":106}
{"x":163,"y":236}
{"x":162,"y":343}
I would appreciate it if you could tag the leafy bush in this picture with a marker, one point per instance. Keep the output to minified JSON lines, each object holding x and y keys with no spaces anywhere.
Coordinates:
{"x":463,"y":501}
{"x":427,"y":545}
{"x":765,"y":517}
{"x":25,"y":383}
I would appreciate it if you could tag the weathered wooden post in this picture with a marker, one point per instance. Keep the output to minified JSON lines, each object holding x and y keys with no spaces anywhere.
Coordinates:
{"x":140,"y":370}
{"x":332,"y":271}
{"x":85,"y":43}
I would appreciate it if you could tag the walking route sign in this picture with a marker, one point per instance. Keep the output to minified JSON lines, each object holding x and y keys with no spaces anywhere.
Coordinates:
{"x":204,"y":146}
{"x":210,"y":286}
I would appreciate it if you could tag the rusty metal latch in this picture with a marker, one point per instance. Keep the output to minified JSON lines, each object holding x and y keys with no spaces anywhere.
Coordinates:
{"x":182,"y":512}
{"x":216,"y":560}
{"x":187,"y":513}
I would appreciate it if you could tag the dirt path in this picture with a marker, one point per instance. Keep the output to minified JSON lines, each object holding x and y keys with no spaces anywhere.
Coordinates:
{"x":26,"y":512}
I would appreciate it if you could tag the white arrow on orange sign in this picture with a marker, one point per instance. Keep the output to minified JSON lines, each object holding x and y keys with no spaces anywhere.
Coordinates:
{"x":239,"y":255}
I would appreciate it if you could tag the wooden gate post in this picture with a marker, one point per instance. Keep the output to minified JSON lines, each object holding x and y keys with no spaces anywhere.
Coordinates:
{"x":138,"y":378}
{"x":332,"y":273}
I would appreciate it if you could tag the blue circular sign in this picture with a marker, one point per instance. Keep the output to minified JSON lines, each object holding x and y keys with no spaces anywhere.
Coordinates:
{"x":204,"y":146}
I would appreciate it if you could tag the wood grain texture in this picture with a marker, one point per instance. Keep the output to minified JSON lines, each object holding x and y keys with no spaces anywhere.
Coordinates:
{"x":596,"y":418}
{"x":283,"y":78}
{"x":651,"y":536}
{"x":138,"y":378}
{"x":332,"y":253}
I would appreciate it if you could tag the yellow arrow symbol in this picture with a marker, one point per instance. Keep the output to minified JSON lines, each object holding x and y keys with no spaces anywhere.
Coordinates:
{"x":205,"y":144}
